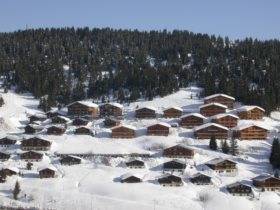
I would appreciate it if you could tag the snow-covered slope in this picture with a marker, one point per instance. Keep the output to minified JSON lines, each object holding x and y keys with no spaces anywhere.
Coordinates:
{"x":95,"y":183}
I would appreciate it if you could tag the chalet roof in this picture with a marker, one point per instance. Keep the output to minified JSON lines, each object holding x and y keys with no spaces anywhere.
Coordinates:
{"x":219,"y":94}
{"x":132,"y":160}
{"x":218,"y":116}
{"x":34,"y":126}
{"x":193,"y":114}
{"x":167,"y":175}
{"x":11,"y":168}
{"x":125,"y":126}
{"x":161,"y":123}
{"x":127,"y":175}
{"x":86,"y":103}
{"x":248,"y":108}
{"x":56,"y":126}
{"x":215,"y":104}
{"x":62,"y":117}
{"x":38,"y":138}
{"x":174,"y":107}
{"x":51,"y":167}
{"x":216,"y":161}
{"x":114,"y":104}
{"x":206,"y":125}
{"x":147,"y":107}
{"x":199,"y":174}
{"x":264,"y":177}
{"x":16,"y":138}
{"x":176,"y":161}
{"x":73,"y":156}
{"x":180,"y":145}
{"x":39,"y":115}
{"x":60,"y":112}
{"x":37,"y":152}
{"x":245,"y":125}
{"x":235,"y":184}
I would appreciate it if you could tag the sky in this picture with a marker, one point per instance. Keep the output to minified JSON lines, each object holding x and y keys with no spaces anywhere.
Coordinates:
{"x":236,"y":19}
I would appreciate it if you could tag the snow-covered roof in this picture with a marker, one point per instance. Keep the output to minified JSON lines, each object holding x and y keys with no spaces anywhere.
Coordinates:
{"x":200,"y":173}
{"x":167,"y":175}
{"x":180,"y":145}
{"x":219,"y":94}
{"x":235,"y":184}
{"x":194,"y":114}
{"x":115,"y":104}
{"x":215,"y":104}
{"x":217,"y":161}
{"x":62,"y":117}
{"x":86,"y":103}
{"x":208,"y":125}
{"x":244,"y":125}
{"x":127,"y":175}
{"x":248,"y":108}
{"x":34,"y":126}
{"x":15,"y":169}
{"x":263,"y":177}
{"x":16,"y":138}
{"x":125,"y":126}
{"x":147,"y":107}
{"x":39,"y":115}
{"x":56,"y":126}
{"x":173,"y":107}
{"x":177,"y":161}
{"x":161,"y":123}
{"x":51,"y":167}
{"x":218,"y":116}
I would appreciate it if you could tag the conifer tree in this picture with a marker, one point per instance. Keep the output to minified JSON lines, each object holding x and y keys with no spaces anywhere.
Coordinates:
{"x":213,"y":143}
{"x":16,"y":190}
{"x":275,"y":154}
{"x":233,"y":146}
{"x":225,"y":147}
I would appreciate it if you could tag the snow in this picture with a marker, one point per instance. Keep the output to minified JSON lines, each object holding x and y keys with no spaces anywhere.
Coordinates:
{"x":208,"y":125}
{"x":248,"y":108}
{"x":219,"y":94}
{"x":86,"y":103}
{"x":213,"y":104}
{"x":218,"y":116}
{"x":94,"y":184}
{"x":243,"y":124}
{"x":174,"y":107}
{"x":195,"y":115}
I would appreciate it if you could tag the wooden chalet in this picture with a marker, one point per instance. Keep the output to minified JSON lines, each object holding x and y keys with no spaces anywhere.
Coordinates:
{"x":170,"y":180}
{"x":37,"y":117}
{"x":227,"y":120}
{"x":173,"y":112}
{"x":32,"y":128}
{"x":111,"y":109}
{"x":250,"y":131}
{"x":267,"y":182}
{"x":130,"y":178}
{"x":7,"y":141}
{"x":123,"y":131}
{"x":201,"y":179}
{"x":206,"y":131}
{"x":158,"y":129}
{"x":78,"y":121}
{"x":9,"y":171}
{"x":4,"y":156}
{"x":111,"y":122}
{"x":60,"y":120}
{"x":70,"y":160}
{"x":220,"y":98}
{"x":83,"y":108}
{"x":222,"y":166}
{"x":191,"y":120}
{"x":239,"y":189}
{"x":135,"y":164}
{"x":145,"y":112}
{"x":47,"y":172}
{"x":250,"y":112}
{"x":178,"y":151}
{"x":83,"y":130}
{"x":31,"y":156}
{"x":35,"y":143}
{"x":212,"y":109}
{"x":174,"y":166}
{"x":56,"y":130}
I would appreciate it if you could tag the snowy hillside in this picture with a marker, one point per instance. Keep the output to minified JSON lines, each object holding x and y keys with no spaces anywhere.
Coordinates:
{"x":95,"y":184}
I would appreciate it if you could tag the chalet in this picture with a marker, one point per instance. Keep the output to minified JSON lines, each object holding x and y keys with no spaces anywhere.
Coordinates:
{"x":178,"y":151}
{"x":37,"y":117}
{"x":174,"y":166}
{"x":145,"y":112}
{"x":83,"y":108}
{"x":220,"y":98}
{"x":123,"y":131}
{"x":250,"y":131}
{"x":130,"y":178}
{"x":201,"y":179}
{"x":111,"y":109}
{"x":78,"y":121}
{"x":70,"y":160}
{"x":208,"y":130}
{"x":173,"y":112}
{"x":35,"y":143}
{"x":135,"y":164}
{"x":31,"y":156}
{"x":56,"y":130}
{"x":191,"y":120}
{"x":212,"y":109}
{"x":7,"y":141}
{"x":9,"y":171}
{"x":222,"y":166}
{"x":170,"y":180}
{"x":4,"y":156}
{"x":111,"y":122}
{"x":225,"y":119}
{"x":250,"y":112}
{"x":60,"y":120}
{"x":267,"y":182}
{"x":47,"y":172}
{"x":83,"y":130}
{"x":239,"y":189}
{"x":32,"y":128}
{"x":158,"y":129}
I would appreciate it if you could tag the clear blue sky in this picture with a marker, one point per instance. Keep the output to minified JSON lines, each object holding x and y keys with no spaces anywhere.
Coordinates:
{"x":233,"y":18}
